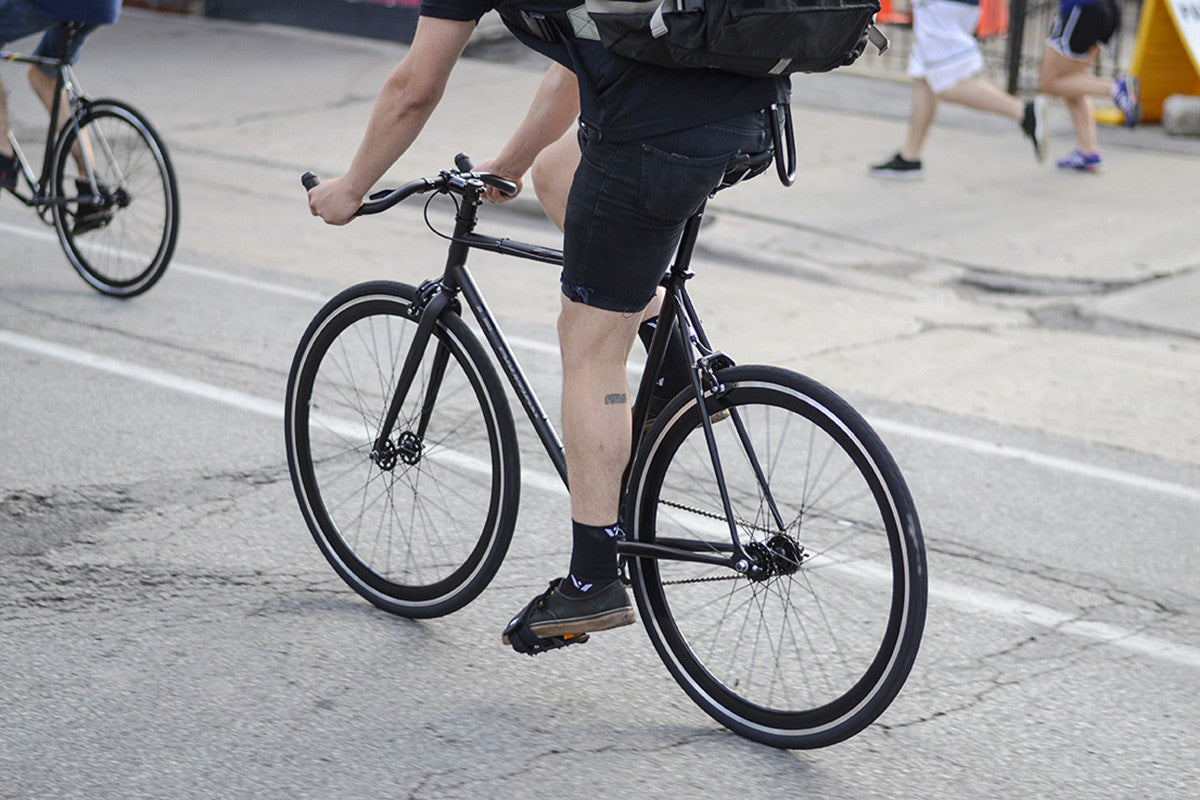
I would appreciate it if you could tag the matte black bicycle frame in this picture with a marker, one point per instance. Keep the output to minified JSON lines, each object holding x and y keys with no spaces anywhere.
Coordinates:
{"x":434,"y":297}
{"x":42,"y":198}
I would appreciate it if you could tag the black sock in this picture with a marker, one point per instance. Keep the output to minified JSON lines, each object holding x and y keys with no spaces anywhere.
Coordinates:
{"x":593,"y":558}
{"x":676,"y":372}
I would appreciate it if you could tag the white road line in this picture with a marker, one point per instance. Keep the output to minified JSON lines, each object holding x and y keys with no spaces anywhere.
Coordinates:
{"x":154,"y":377}
{"x":957,"y":595}
{"x":969,"y":444}
{"x":29,"y":233}
{"x":1040,"y":459}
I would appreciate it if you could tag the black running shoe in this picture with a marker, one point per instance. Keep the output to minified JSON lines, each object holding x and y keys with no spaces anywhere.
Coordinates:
{"x":899,"y":168}
{"x":555,"y":614}
{"x":8,"y":172}
{"x":90,"y":216}
{"x":1034,"y":126}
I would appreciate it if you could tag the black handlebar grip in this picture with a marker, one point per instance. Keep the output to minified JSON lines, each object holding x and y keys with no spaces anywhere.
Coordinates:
{"x":308,"y":180}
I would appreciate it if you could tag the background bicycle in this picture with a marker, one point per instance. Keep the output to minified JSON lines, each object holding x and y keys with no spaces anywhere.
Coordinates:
{"x":105,"y":184}
{"x":772,"y":545}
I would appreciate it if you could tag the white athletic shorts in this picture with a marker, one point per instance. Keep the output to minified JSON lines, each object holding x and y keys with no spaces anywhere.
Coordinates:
{"x":944,"y":48}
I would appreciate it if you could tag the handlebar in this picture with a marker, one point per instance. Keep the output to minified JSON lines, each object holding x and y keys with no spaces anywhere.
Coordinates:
{"x":458,"y":180}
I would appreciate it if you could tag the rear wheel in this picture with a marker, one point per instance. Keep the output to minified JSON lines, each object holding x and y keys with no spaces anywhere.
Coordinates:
{"x":120,"y":221}
{"x":813,"y":636}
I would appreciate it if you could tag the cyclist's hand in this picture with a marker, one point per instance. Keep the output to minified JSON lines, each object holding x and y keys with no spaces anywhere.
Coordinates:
{"x":334,"y":201}
{"x":491,"y":194}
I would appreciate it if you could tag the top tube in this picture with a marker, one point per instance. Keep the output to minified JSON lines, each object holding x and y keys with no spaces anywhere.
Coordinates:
{"x":31,"y":58}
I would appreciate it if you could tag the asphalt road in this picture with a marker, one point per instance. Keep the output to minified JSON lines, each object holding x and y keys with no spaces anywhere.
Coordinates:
{"x":169,"y":629}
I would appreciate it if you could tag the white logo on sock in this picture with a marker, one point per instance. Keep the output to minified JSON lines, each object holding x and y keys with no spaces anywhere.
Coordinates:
{"x":583,"y":587}
{"x":613,"y":532}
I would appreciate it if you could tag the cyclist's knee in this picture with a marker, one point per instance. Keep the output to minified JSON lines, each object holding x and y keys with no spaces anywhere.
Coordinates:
{"x":590,"y":335}
{"x":552,"y":173}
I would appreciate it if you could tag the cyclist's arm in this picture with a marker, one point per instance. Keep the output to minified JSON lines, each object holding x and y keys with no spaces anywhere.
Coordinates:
{"x":404,"y":105}
{"x":554,"y":109}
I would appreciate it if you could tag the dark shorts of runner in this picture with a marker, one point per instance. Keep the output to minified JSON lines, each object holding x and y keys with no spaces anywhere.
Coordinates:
{"x":630,"y":200}
{"x":1084,"y":27}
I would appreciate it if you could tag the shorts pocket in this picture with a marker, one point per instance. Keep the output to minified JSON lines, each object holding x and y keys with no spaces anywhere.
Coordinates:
{"x":673,"y":186}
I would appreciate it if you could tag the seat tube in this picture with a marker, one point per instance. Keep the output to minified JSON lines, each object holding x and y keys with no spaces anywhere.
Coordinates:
{"x":52,"y":132}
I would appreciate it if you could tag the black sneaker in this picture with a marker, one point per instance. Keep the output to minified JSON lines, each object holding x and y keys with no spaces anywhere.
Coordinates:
{"x":90,"y":216}
{"x":1034,"y":126}
{"x":554,"y":614}
{"x":899,"y":168}
{"x":8,"y":172}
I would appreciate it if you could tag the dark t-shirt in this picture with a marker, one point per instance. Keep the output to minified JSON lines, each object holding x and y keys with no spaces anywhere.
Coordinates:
{"x":625,"y":99}
{"x":98,"y":12}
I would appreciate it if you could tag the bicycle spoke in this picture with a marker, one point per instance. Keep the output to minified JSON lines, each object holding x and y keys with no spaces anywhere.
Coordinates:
{"x":796,"y":640}
{"x":417,"y":523}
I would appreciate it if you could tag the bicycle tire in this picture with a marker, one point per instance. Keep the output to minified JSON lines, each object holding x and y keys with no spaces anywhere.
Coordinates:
{"x":797,"y":659}
{"x":424,"y":535}
{"x":129,"y":251}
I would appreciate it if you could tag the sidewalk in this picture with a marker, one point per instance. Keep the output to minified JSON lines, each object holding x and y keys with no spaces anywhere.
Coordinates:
{"x":992,"y":278}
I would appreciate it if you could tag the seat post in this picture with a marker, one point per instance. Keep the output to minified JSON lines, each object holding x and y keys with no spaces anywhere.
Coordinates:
{"x":687,"y":244}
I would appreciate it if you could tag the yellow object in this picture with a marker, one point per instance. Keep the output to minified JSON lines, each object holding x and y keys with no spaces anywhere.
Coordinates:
{"x":1166,"y":58}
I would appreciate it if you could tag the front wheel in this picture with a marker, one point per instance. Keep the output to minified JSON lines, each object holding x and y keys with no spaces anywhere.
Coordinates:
{"x":117,"y":209}
{"x":419,"y":525}
{"x":811,"y":636}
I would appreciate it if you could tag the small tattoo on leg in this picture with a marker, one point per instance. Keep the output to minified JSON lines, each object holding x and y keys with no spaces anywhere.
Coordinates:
{"x":616,"y":399}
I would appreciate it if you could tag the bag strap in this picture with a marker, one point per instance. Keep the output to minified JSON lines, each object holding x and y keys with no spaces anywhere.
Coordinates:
{"x":782,"y":133}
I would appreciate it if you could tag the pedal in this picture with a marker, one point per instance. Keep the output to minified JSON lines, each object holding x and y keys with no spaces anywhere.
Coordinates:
{"x":518,"y":635}
{"x":524,"y":641}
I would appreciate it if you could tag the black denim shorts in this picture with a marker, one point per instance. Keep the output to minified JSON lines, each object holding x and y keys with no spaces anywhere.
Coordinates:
{"x":630,"y":200}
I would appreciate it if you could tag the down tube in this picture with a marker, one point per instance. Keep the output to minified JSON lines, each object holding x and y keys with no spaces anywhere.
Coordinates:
{"x":516,"y":376}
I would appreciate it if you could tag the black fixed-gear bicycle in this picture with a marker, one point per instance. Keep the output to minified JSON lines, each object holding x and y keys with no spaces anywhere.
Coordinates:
{"x":772,"y":546}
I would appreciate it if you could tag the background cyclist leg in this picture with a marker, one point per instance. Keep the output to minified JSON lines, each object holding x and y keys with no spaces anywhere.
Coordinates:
{"x":8,"y":164}
{"x":43,"y":86}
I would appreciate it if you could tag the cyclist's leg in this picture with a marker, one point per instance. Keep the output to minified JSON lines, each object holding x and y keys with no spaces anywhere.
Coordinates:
{"x":42,"y":79}
{"x":552,"y":173}
{"x":626,"y":209}
{"x":595,"y":345}
{"x":17,"y":20}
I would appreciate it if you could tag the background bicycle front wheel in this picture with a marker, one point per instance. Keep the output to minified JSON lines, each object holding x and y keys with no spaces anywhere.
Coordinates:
{"x":814,"y":638}
{"x":419,"y":528}
{"x":120,"y":222}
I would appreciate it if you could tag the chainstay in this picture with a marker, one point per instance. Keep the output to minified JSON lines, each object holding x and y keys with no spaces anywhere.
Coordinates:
{"x":718,"y":517}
